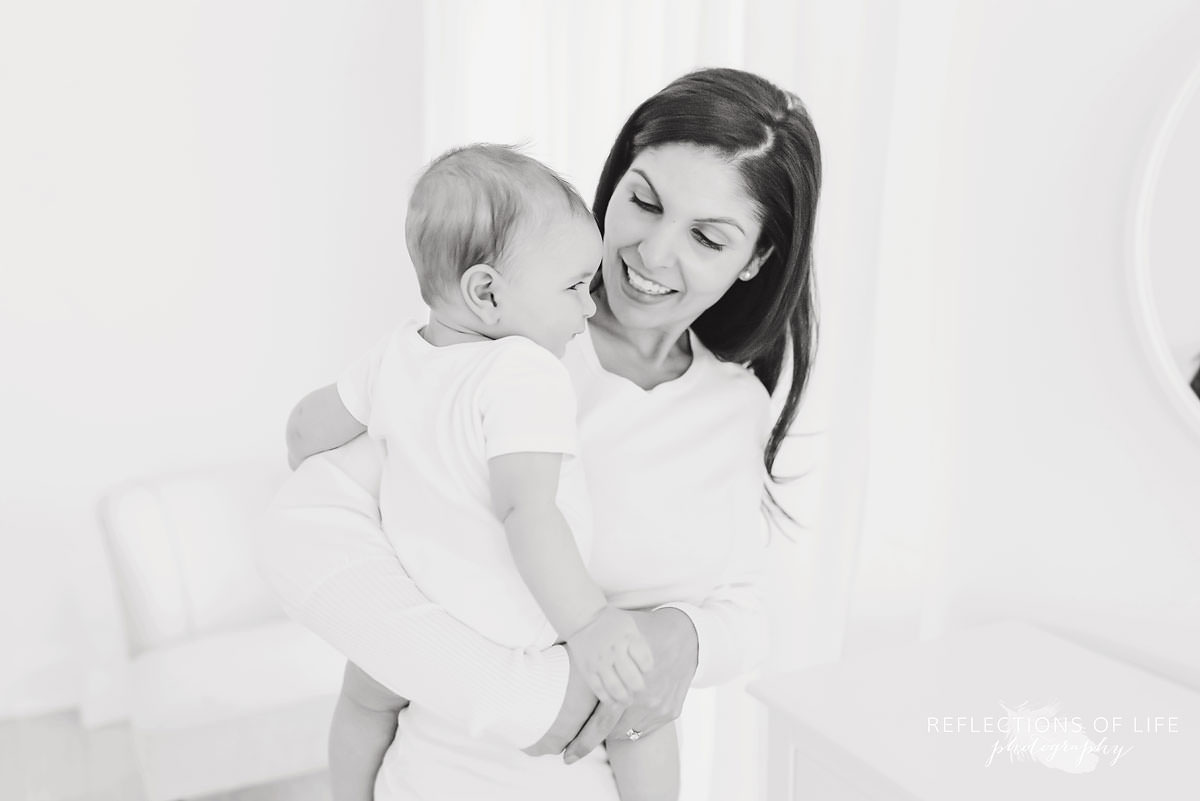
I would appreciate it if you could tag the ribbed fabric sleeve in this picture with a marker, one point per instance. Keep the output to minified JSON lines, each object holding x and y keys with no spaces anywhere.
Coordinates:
{"x":731,"y":635}
{"x":323,"y":552}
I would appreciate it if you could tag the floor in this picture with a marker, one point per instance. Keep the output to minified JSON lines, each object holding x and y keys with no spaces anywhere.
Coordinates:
{"x":53,"y":758}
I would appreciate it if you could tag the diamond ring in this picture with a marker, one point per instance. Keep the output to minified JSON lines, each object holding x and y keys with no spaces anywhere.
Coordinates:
{"x":633,"y":734}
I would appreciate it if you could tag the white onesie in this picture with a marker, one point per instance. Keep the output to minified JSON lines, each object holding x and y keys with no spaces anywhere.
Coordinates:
{"x":441,"y":413}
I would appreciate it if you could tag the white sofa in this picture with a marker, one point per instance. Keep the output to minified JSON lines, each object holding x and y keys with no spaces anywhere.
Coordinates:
{"x":222,"y":691}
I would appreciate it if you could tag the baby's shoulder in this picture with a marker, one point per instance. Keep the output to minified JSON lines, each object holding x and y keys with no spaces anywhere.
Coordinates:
{"x":520,"y":350}
{"x":516,"y":358}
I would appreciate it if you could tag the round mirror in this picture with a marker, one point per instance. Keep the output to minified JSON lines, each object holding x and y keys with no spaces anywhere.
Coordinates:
{"x":1166,"y":259}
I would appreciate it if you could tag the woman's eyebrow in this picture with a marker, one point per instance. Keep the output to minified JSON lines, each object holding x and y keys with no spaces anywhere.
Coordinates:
{"x":725,"y":220}
{"x":645,"y":178}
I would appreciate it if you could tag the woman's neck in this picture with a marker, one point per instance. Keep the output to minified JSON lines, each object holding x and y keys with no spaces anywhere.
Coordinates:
{"x":646,"y":356}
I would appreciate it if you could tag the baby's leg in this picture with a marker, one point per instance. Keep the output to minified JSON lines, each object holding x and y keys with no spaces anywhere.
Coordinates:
{"x":364,"y":725}
{"x":646,"y":769}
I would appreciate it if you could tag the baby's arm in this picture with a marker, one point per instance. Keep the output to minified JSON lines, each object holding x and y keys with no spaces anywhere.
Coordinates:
{"x":320,"y":422}
{"x":605,"y":641}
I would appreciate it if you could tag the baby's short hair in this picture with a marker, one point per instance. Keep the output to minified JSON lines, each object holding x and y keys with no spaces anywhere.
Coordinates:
{"x":468,"y":206}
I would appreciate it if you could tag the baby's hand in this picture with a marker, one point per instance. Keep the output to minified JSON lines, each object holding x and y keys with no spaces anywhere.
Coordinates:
{"x":612,"y":655}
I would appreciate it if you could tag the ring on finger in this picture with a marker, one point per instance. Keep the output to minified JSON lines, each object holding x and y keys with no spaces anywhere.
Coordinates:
{"x":633,"y":734}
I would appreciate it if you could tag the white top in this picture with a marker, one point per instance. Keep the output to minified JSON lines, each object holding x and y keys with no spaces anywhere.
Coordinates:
{"x":676,"y":480}
{"x":442,"y":412}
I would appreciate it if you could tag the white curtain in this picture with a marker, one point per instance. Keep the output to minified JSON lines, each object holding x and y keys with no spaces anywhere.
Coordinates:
{"x":561,"y":76}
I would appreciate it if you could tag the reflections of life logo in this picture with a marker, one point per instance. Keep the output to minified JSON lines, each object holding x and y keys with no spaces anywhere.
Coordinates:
{"x":1059,"y":742}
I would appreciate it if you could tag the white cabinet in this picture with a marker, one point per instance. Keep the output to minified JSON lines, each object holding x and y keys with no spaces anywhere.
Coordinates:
{"x":1001,"y":712}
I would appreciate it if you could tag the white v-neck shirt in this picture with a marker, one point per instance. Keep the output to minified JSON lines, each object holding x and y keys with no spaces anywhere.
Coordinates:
{"x":677,"y":479}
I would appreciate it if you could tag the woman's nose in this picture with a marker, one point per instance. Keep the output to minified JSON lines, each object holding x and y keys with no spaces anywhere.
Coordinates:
{"x":657,"y":248}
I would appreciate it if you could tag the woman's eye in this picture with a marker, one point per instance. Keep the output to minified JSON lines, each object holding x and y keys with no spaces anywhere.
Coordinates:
{"x":705,"y":241}
{"x":644,"y":205}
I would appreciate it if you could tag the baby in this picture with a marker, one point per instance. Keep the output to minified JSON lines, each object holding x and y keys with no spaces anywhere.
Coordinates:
{"x":482,"y":494}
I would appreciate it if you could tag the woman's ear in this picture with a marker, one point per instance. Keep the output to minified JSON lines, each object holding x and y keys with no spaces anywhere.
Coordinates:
{"x":478,"y":287}
{"x":755,"y":264}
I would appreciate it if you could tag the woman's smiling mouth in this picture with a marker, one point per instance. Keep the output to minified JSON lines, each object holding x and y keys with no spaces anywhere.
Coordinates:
{"x":643,"y":284}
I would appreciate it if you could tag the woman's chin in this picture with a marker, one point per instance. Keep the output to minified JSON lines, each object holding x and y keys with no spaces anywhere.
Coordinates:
{"x":628,"y":313}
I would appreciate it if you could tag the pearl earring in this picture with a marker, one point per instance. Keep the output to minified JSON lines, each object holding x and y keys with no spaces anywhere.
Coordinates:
{"x":745,"y":275}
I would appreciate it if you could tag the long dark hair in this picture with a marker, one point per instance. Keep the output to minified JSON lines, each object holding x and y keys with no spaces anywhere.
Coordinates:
{"x":767,"y":134}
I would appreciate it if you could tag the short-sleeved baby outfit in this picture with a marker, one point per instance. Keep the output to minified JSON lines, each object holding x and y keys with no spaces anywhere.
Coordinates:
{"x":442,"y":412}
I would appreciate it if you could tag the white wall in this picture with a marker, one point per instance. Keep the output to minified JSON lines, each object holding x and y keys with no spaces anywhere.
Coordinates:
{"x":198,"y":202}
{"x":1065,"y":484}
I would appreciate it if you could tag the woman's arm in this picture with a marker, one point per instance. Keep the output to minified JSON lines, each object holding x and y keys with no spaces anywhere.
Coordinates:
{"x":324,"y":553}
{"x":582,"y":724}
{"x":700,"y":643}
{"x":673,"y":640}
{"x":731,"y":621}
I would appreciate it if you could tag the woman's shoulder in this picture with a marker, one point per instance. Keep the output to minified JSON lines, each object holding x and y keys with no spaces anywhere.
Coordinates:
{"x":729,"y":377}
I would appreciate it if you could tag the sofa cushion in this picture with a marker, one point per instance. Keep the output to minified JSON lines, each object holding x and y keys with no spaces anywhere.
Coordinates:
{"x":231,"y":675}
{"x":182,"y":549}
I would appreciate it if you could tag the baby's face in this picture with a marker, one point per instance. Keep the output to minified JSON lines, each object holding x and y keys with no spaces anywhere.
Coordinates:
{"x":545,"y":294}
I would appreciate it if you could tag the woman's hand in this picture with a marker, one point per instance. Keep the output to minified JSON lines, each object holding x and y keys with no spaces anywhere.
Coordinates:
{"x":578,"y":705}
{"x":675,"y":649}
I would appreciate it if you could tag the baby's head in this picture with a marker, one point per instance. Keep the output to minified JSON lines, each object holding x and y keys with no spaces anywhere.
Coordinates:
{"x":502,"y":245}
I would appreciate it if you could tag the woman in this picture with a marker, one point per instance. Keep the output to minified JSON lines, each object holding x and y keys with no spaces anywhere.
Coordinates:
{"x":704,"y":299}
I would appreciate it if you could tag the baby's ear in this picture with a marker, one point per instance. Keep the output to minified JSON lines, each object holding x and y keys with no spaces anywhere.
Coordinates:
{"x":478,"y":287}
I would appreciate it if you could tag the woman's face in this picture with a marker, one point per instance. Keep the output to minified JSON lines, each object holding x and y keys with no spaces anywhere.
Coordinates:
{"x":679,"y":230}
